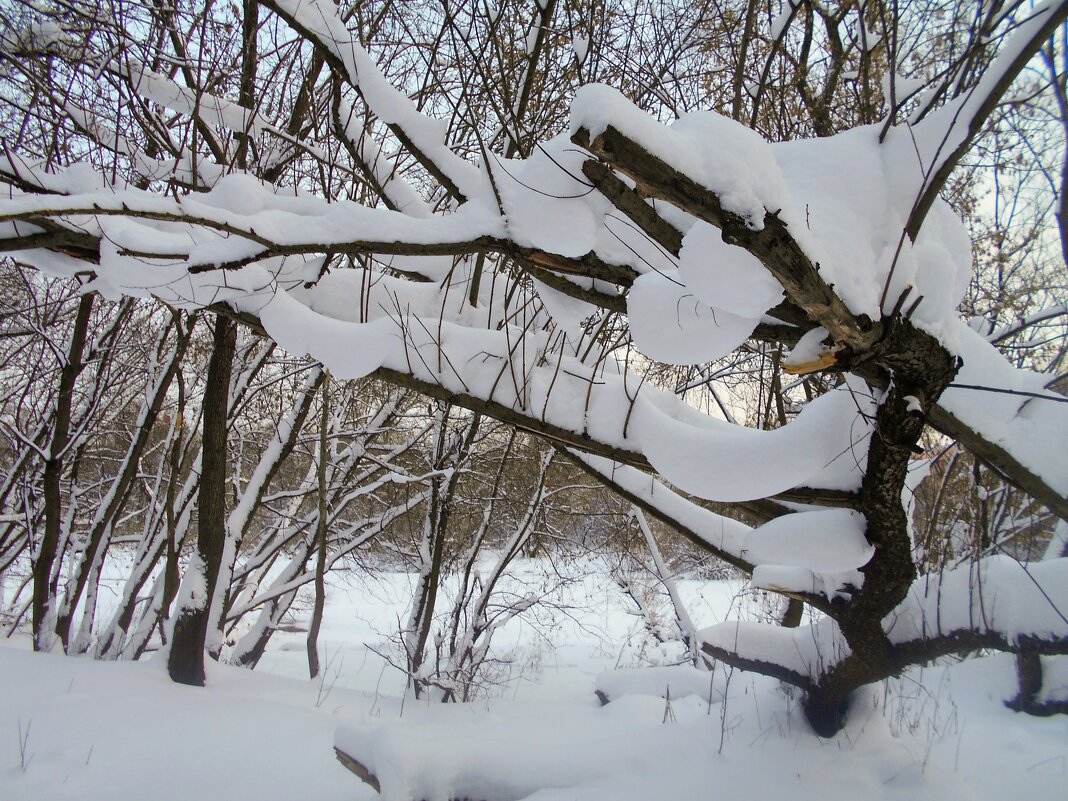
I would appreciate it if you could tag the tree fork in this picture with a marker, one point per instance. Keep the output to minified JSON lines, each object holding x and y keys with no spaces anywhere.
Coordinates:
{"x":806,"y":290}
{"x":922,"y":368}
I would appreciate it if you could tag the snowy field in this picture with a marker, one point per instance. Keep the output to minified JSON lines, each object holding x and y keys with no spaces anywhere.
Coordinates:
{"x":73,"y":728}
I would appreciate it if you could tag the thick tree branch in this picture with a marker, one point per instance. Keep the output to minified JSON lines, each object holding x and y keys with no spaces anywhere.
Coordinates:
{"x":772,"y":245}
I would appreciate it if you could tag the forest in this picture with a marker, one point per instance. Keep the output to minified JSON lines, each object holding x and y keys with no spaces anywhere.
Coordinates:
{"x":446,"y":333}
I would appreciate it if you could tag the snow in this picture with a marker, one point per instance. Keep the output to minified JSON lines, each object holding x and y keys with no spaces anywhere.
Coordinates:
{"x":740,"y":167}
{"x":827,"y":541}
{"x":123,"y":730}
{"x":780,"y":22}
{"x":804,"y":651}
{"x":664,"y":681}
{"x":844,"y":198}
{"x":460,"y":752}
{"x":1054,"y":679}
{"x":546,"y":201}
{"x":997,"y":595}
{"x":726,"y":276}
{"x":704,"y":309}
{"x":670,"y":324}
{"x":581,"y":45}
{"x":732,"y":463}
{"x":531,"y":40}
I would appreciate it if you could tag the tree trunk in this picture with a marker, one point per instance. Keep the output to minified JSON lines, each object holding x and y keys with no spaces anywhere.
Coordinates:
{"x":185,"y":659}
{"x":320,"y":537}
{"x":922,"y":369}
{"x":432,"y":548}
{"x":1030,"y":678}
{"x":44,"y":583}
{"x":111,"y":509}
{"x":170,"y":568}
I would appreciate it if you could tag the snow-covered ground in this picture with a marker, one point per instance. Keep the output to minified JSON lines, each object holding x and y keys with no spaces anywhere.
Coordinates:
{"x":79,"y":729}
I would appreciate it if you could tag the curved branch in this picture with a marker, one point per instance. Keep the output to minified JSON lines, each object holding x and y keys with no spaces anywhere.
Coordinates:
{"x":976,"y":107}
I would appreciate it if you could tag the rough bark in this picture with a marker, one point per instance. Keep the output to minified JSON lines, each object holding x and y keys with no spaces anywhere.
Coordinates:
{"x":44,"y":579}
{"x":922,"y":369}
{"x":185,"y":660}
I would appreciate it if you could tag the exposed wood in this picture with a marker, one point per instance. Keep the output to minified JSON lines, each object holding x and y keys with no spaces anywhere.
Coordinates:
{"x":824,"y":361}
{"x":355,"y":766}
